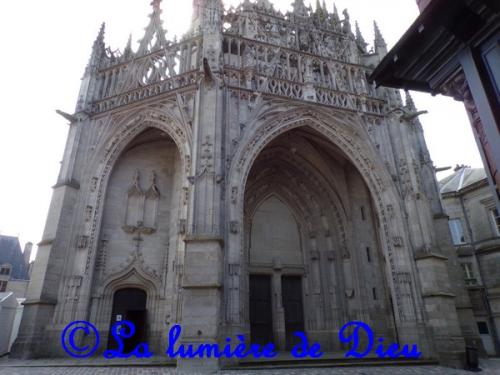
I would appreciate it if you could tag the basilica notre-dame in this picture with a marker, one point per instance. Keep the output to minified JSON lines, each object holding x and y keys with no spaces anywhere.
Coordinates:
{"x":247,"y":179}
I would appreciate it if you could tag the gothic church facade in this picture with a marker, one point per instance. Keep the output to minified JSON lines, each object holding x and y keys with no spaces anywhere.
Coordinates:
{"x":246,"y":179}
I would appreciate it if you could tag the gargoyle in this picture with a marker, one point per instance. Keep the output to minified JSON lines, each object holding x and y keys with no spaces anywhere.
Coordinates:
{"x":413,"y":115}
{"x":67,"y":116}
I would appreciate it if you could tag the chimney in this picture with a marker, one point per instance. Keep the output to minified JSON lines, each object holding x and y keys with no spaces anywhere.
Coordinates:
{"x":422,"y":4}
{"x":27,"y":252}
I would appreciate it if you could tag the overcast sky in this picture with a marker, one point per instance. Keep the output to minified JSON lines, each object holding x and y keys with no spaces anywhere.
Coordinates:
{"x":45,"y":48}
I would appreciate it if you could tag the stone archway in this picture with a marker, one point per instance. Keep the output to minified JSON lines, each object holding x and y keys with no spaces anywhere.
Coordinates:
{"x":345,"y":133}
{"x":144,"y":243}
{"x":318,"y":242}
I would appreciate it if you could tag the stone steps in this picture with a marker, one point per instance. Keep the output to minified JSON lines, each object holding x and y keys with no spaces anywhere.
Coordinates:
{"x":288,"y":363}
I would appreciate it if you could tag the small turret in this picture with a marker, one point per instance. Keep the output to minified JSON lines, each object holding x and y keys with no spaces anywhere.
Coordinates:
{"x":207,"y":14}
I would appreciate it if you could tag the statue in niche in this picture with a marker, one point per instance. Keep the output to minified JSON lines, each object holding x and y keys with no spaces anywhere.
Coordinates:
{"x":331,"y":75}
{"x":135,"y":201}
{"x":142,"y":207}
{"x":152,"y":198}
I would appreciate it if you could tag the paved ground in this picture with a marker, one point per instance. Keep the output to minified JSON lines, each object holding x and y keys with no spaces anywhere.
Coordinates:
{"x":490,"y":367}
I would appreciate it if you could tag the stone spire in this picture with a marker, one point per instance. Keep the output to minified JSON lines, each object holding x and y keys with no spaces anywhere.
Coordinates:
{"x":154,"y":37}
{"x":127,"y":52}
{"x":89,"y":77}
{"x":380,"y":44}
{"x":335,"y":17}
{"x":299,"y":8}
{"x":99,"y":41}
{"x":359,"y":38}
{"x":98,"y":48}
{"x":98,"y":51}
{"x":320,"y":11}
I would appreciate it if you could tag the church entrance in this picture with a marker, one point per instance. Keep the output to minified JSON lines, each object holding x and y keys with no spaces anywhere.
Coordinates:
{"x":261,"y":316}
{"x":292,"y":305}
{"x":129,"y":304}
{"x":311,"y":226}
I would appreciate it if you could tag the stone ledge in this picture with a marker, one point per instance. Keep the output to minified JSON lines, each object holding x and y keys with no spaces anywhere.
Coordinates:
{"x":422,"y":256}
{"x":202,"y":286}
{"x":204,"y":238}
{"x":46,"y":242}
{"x":488,"y":246}
{"x":69,"y":183}
{"x":441,"y":216}
{"x":30,"y":302}
{"x":438,"y":294}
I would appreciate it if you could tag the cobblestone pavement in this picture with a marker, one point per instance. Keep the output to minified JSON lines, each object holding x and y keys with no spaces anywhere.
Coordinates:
{"x":489,"y":367}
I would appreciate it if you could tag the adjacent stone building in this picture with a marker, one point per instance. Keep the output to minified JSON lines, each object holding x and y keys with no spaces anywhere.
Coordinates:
{"x":475,"y":228}
{"x":14,"y":279}
{"x":247,"y":179}
{"x":15,"y":266}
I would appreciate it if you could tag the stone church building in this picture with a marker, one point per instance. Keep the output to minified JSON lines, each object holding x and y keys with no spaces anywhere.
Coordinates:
{"x":247,"y":179}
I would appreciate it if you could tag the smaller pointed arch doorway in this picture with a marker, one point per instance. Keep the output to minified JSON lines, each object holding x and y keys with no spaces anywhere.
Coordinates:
{"x":276,"y":271}
{"x":130,"y":304}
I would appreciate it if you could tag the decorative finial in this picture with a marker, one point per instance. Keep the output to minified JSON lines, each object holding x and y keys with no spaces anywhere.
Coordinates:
{"x":156,"y":6}
{"x":99,"y":41}
{"x":101,"y":31}
{"x":380,"y":44}
{"x":128,"y":48}
{"x":155,"y":27}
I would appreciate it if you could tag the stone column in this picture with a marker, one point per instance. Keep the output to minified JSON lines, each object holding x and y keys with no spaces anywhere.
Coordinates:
{"x":434,"y":268}
{"x":278,"y":310}
{"x":42,"y":293}
{"x":203,"y":259}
